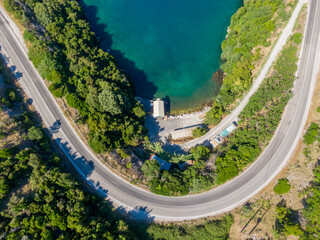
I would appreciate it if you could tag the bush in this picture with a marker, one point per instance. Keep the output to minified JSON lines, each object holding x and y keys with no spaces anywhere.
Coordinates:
{"x":267,"y":44}
{"x":29,"y":36}
{"x":215,"y":229}
{"x":64,"y":51}
{"x":56,"y":90}
{"x":261,"y":18}
{"x":200,"y":152}
{"x":199,"y":131}
{"x":283,"y":186}
{"x":297,"y":38}
{"x":287,"y":221}
{"x":35,"y":133}
{"x":312,"y":134}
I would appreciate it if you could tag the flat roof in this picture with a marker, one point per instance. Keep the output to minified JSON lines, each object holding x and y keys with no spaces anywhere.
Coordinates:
{"x":158,"y":108}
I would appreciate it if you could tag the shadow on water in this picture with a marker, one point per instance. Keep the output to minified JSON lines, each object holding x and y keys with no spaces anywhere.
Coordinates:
{"x":143,"y":87}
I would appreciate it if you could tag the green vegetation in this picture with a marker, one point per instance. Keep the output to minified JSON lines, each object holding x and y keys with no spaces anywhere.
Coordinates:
{"x":65,"y":52}
{"x":217,"y":230}
{"x":260,"y":117}
{"x":297,"y":38}
{"x":283,"y":186}
{"x":312,"y":209}
{"x":312,"y":135}
{"x":35,"y":133}
{"x":287,"y":221}
{"x":199,"y":131}
{"x":38,"y":198}
{"x":250,"y":27}
{"x":178,"y":182}
{"x":259,"y":120}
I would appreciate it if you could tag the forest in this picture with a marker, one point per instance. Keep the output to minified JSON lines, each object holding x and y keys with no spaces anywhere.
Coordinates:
{"x":41,"y":199}
{"x":65,"y":51}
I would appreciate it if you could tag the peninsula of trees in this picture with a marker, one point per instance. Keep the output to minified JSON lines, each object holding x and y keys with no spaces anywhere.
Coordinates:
{"x":65,"y":51}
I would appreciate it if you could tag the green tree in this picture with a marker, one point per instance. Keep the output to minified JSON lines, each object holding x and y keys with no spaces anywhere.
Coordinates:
{"x":312,"y":134}
{"x":283,"y":186}
{"x":111,"y":102}
{"x":151,"y":169}
{"x":287,"y":221}
{"x":199,"y":131}
{"x":35,"y":133}
{"x":200,"y":152}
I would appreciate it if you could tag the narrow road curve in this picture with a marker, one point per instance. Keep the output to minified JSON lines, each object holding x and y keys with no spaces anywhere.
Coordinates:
{"x":286,"y":32}
{"x":143,"y":204}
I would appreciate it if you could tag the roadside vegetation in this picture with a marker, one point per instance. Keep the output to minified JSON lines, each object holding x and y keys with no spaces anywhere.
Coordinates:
{"x":283,"y":186}
{"x":199,"y":131}
{"x":65,"y":51}
{"x":250,"y":28}
{"x":197,"y":176}
{"x":312,"y":135}
{"x":293,"y":211}
{"x":260,"y":117}
{"x":40,"y":199}
{"x":209,"y":230}
{"x":259,"y":120}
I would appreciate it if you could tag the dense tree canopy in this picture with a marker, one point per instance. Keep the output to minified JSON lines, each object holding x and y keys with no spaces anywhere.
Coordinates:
{"x":66,"y":53}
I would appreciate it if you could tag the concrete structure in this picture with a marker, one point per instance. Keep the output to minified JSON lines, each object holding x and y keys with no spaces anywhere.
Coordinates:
{"x":228,"y":129}
{"x":163,"y":164}
{"x":218,"y":139}
{"x":158,"y":108}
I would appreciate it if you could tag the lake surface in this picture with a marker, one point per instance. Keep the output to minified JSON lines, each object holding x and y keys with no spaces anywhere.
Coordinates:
{"x":169,"y":48}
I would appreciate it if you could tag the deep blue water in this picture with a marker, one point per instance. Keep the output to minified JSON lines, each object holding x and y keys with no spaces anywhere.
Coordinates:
{"x":169,"y":48}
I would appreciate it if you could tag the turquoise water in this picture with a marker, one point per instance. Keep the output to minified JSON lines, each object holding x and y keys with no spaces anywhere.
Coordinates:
{"x":169,"y":48}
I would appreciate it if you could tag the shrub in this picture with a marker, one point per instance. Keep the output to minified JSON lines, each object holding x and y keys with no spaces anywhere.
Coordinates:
{"x":56,"y":90}
{"x":35,"y":133}
{"x":297,"y":38}
{"x":199,"y":131}
{"x":200,"y":152}
{"x":283,"y":186}
{"x":29,"y":35}
{"x":312,"y":134}
{"x":267,"y":44}
{"x":287,"y":221}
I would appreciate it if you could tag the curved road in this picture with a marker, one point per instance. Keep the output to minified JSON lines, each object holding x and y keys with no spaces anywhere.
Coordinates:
{"x":218,"y":200}
{"x":285,"y":34}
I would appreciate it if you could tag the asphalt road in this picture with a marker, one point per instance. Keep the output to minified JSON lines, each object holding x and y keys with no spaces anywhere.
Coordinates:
{"x":145,"y":204}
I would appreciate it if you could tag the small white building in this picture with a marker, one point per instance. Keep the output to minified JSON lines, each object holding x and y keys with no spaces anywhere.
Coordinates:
{"x":158,"y":108}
